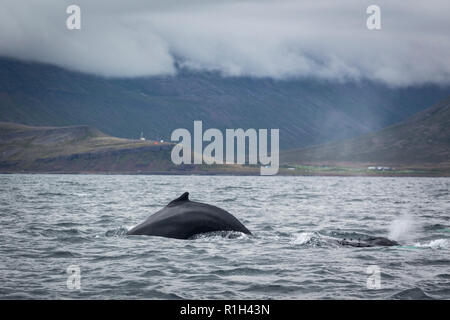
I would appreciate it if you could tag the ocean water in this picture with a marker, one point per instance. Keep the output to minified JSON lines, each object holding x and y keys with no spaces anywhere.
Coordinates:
{"x":51,"y":222}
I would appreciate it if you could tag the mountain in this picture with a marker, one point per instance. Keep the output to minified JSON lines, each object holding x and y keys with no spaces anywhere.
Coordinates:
{"x":77,"y":149}
{"x":306,"y":111}
{"x":84,"y":149}
{"x":422,"y":141}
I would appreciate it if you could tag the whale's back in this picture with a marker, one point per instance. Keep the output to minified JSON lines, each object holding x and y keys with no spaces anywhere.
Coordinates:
{"x":182,"y":219}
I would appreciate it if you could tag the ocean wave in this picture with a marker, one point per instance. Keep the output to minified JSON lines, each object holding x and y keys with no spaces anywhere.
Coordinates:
{"x":303,"y":238}
{"x":220,"y":234}
{"x":294,"y":252}
{"x":118,"y":232}
{"x":412,"y":294}
{"x":434,"y":244}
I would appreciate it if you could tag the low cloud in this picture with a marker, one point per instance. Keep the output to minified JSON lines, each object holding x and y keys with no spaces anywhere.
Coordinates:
{"x":278,"y":39}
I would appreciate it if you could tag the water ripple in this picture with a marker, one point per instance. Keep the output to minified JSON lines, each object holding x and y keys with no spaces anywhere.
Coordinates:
{"x":53,"y":222}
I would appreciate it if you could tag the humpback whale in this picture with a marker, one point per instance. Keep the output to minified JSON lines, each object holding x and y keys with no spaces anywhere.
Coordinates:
{"x":182,"y":219}
{"x":369,"y":242}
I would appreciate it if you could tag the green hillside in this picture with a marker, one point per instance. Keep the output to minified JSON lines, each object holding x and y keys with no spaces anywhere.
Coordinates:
{"x":422,"y":141}
{"x":84,"y":149}
{"x":76,"y":149}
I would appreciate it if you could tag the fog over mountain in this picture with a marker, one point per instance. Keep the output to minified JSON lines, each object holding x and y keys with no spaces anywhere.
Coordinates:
{"x":278,"y":39}
{"x":306,"y":111}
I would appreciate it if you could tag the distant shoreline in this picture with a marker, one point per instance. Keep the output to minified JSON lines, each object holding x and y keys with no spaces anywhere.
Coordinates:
{"x":284,"y":173}
{"x":86,"y":150}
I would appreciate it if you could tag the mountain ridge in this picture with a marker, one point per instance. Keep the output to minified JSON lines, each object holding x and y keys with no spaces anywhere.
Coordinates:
{"x":307,"y":112}
{"x":76,"y":149}
{"x":423,"y":140}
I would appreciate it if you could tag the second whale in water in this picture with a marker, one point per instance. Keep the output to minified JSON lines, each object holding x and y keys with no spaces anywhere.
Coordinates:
{"x":369,"y":242}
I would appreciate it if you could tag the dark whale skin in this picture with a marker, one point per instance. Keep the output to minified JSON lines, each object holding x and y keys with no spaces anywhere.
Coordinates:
{"x":182,"y":219}
{"x":370,"y":242}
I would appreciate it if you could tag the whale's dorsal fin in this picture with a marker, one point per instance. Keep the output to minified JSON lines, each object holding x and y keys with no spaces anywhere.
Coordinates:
{"x":184,"y":197}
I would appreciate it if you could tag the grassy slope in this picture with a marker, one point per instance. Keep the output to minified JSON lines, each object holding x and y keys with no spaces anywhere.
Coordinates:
{"x":84,"y":149}
{"x":76,"y":149}
{"x":423,"y":141}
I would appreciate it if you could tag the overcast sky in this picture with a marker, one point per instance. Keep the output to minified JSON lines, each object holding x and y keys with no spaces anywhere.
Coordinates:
{"x":278,"y":39}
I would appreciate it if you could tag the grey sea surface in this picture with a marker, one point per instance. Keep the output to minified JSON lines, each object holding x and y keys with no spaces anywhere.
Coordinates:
{"x":50,"y":223}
